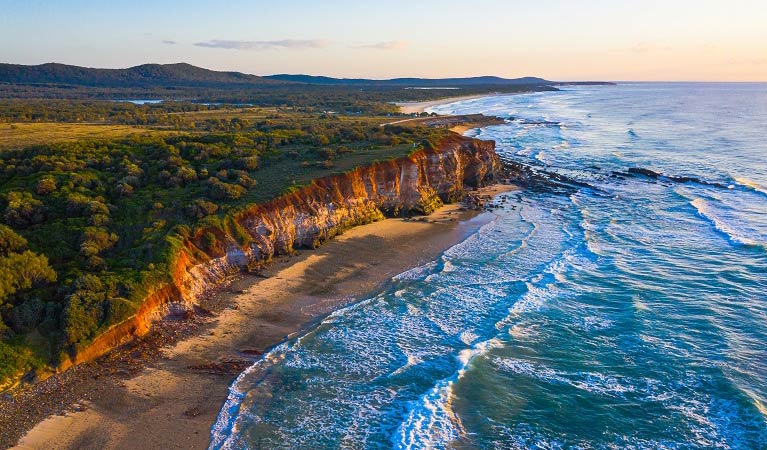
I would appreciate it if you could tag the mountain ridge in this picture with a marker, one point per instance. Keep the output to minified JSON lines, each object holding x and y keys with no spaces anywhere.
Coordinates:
{"x":144,"y":75}
{"x":187,"y":75}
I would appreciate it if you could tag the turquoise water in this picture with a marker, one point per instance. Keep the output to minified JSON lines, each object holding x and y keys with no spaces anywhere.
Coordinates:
{"x":628,"y":314}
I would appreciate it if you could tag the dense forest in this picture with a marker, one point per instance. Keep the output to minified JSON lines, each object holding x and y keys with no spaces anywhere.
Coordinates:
{"x":348,"y":99}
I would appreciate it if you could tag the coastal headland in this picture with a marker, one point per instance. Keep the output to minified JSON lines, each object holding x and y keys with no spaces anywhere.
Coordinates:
{"x":171,"y":399}
{"x":158,"y":379}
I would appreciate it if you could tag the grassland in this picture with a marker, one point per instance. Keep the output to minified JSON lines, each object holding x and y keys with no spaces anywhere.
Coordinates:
{"x":19,"y":135}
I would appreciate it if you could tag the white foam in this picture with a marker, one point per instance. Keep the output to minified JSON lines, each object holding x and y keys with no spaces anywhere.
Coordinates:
{"x":595,"y":323}
{"x":594,"y":382}
{"x":416,"y":272}
{"x":430,"y":422}
{"x":707,"y":212}
{"x":468,"y":337}
{"x":448,"y":266}
{"x":542,"y":157}
{"x":745,"y":182}
{"x":224,"y":429}
{"x":639,"y":305}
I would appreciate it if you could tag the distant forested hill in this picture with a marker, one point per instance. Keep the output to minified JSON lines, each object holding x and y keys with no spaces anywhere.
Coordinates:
{"x":144,"y":76}
{"x":186,"y":75}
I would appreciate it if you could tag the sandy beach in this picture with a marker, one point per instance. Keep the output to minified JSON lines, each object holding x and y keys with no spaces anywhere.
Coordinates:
{"x":419,"y":107}
{"x":172,"y":398}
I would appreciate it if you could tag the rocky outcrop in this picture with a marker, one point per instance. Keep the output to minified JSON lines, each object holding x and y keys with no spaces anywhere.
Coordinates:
{"x":416,"y":184}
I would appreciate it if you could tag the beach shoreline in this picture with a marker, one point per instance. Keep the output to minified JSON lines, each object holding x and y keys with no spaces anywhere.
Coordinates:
{"x":171,"y":395}
{"x":419,"y":107}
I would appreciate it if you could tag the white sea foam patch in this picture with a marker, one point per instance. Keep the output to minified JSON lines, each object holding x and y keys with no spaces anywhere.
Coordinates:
{"x":525,"y":330}
{"x":596,"y":323}
{"x":468,"y":337}
{"x":527,"y":152}
{"x":412,"y":361}
{"x":416,"y":272}
{"x":639,"y":305}
{"x":752,"y":185}
{"x":542,"y":157}
{"x":525,"y":130}
{"x":224,"y":429}
{"x":457,"y":309}
{"x":706,"y":211}
{"x":539,"y":289}
{"x":430,"y":422}
{"x":594,"y":382}
{"x":447,"y":265}
{"x":532,"y":300}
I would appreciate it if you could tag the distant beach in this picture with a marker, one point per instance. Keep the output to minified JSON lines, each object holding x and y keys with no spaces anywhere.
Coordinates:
{"x":419,"y":107}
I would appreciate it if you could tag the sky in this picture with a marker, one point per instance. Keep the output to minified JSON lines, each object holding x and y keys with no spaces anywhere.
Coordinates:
{"x":672,"y":40}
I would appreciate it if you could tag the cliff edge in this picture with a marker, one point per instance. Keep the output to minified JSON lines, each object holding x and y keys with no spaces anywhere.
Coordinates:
{"x":304,"y":218}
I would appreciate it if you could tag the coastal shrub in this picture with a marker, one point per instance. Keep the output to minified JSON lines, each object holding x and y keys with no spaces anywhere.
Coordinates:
{"x":89,"y":227}
{"x":26,"y":315}
{"x":11,"y":361}
{"x":85,"y":310}
{"x":23,"y":210}
{"x":248,"y":163}
{"x":120,"y":309}
{"x":45,"y":186}
{"x":19,"y":271}
{"x":200,"y":208}
{"x":220,"y":190}
{"x":95,"y":240}
{"x":209,"y":240}
{"x":10,"y":241}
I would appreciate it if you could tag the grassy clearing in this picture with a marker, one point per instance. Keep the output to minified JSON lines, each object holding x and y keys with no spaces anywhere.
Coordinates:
{"x":20,"y":135}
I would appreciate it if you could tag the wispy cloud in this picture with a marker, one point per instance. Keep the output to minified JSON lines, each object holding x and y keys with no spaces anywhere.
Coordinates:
{"x":265,"y":45}
{"x":169,"y":42}
{"x":646,"y":47}
{"x":386,"y":45}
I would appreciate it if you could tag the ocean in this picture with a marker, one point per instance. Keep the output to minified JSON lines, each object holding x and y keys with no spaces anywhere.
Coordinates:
{"x":628,"y":311}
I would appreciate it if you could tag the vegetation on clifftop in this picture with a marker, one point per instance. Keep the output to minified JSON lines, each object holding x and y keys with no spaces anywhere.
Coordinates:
{"x":88,"y":227}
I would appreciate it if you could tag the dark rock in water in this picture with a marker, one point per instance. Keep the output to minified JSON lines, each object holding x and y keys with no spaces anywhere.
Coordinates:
{"x":677,"y":179}
{"x":697,"y":180}
{"x":643,"y":171}
{"x":546,"y":123}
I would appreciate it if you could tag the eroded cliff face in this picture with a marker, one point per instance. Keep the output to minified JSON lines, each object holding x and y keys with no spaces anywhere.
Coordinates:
{"x":417,"y":184}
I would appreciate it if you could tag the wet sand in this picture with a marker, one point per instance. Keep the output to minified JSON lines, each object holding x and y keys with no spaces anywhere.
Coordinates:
{"x":173,"y":397}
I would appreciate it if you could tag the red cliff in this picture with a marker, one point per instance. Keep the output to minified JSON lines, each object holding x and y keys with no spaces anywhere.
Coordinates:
{"x":416,"y":184}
